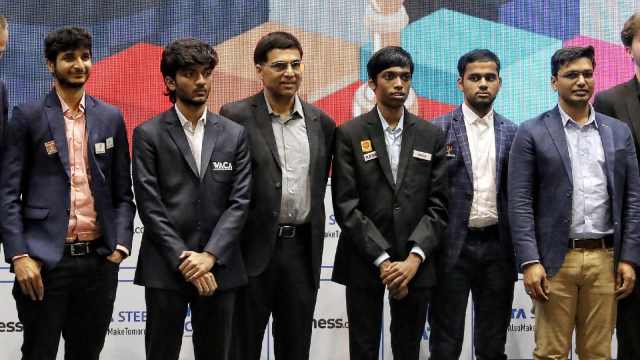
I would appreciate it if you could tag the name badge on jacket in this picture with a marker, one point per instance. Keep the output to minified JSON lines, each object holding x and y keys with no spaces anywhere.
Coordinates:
{"x":370,"y":156}
{"x":421,"y":155}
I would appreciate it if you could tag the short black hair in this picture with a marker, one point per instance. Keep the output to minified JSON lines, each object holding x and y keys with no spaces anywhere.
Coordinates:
{"x":65,"y":39}
{"x":387,"y":57}
{"x":274,"y":40}
{"x":569,"y":54}
{"x":477,"y":55}
{"x":184,"y":53}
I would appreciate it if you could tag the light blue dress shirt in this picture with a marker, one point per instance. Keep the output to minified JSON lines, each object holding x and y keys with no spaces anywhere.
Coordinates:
{"x":591,"y":208}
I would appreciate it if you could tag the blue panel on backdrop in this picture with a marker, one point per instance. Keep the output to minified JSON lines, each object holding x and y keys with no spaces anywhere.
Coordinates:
{"x":556,"y":18}
{"x":438,"y":40}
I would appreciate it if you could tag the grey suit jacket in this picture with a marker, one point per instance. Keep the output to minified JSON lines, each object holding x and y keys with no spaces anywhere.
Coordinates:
{"x":541,"y":188}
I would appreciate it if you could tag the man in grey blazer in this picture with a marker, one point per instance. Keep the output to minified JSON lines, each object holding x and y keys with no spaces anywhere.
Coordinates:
{"x":574,"y":207}
{"x":192,"y":177}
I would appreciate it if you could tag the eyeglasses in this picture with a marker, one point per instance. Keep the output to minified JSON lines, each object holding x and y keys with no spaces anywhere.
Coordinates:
{"x":282,"y":66}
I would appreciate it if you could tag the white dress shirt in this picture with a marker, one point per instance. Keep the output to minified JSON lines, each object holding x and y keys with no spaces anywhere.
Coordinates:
{"x":194,"y":136}
{"x":482,"y":146}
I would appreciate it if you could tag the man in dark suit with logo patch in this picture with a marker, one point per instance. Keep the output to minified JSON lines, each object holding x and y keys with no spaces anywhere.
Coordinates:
{"x":192,"y":176}
{"x":389,"y":188}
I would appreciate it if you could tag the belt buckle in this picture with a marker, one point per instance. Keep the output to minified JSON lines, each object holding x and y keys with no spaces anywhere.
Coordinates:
{"x":573,"y":243}
{"x":78,"y":249}
{"x":287,"y":231}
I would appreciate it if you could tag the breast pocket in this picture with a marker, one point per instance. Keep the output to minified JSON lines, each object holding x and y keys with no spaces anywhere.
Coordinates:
{"x":221,"y":166}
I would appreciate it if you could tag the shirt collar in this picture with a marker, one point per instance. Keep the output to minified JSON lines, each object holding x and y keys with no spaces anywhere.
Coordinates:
{"x":297,"y":107}
{"x":66,"y":107}
{"x":565,"y":117}
{"x":471,"y":117}
{"x":385,"y":123}
{"x":184,"y":121}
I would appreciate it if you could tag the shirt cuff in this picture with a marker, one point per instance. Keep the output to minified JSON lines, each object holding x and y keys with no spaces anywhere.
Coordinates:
{"x":18,"y":257}
{"x":123,"y":249}
{"x":416,"y":250}
{"x":384,"y":256}
{"x":529,"y":262}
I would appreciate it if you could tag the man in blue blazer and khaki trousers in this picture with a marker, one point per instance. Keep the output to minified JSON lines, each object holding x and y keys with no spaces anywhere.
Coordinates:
{"x":67,"y":210}
{"x":574,"y":206}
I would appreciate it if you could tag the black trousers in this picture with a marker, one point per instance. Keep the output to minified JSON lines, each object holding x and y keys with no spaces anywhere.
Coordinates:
{"x":78,"y":303}
{"x":408,"y":317}
{"x":286,"y":291}
{"x":211,"y":318}
{"x":483,"y":270}
{"x":628,"y":326}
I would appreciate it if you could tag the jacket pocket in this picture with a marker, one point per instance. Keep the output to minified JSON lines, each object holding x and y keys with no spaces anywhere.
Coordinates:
{"x":34,"y":213}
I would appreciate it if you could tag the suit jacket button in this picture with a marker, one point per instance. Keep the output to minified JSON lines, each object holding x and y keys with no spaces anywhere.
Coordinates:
{"x":278,"y":184}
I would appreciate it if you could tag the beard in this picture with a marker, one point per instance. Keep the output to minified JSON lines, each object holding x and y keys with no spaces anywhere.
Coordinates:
{"x":65,"y":82}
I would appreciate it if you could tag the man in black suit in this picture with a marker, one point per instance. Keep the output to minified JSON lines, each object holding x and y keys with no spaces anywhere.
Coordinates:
{"x":389,"y":188}
{"x":623,"y":103}
{"x":291,"y":144}
{"x":191,"y":175}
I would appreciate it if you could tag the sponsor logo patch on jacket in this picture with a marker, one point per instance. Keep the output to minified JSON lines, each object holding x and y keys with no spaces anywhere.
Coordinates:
{"x":221,"y":166}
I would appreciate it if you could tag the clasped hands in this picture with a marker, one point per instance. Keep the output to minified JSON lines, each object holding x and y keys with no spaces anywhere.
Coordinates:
{"x":397,"y":275}
{"x":196,"y":269}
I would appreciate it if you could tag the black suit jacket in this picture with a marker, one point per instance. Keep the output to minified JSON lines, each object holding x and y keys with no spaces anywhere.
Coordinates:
{"x":622,"y":102}
{"x":183,"y":210}
{"x":259,"y":236}
{"x":375,"y":214}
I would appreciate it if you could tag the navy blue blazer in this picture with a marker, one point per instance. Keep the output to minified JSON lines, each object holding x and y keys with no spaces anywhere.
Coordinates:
{"x":35,"y":181}
{"x":461,"y":183}
{"x":540,"y":190}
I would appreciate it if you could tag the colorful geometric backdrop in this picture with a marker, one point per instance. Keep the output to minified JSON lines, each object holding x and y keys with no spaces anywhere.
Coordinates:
{"x":338,"y":37}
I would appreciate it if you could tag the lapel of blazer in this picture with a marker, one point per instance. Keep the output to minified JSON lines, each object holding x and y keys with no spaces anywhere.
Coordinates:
{"x":55,"y":118}
{"x":460,"y":130}
{"x":379,"y":145}
{"x":93,"y":123}
{"x":179,"y":138}
{"x":263,"y":122}
{"x":553,"y":122}
{"x":211,"y":132}
{"x":500,"y":147}
{"x":606,"y":136}
{"x":406,"y":146}
{"x":314,"y":134}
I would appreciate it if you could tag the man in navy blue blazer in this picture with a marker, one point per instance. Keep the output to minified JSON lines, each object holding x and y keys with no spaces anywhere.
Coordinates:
{"x":477,"y":255}
{"x":67,"y":210}
{"x":574,"y":207}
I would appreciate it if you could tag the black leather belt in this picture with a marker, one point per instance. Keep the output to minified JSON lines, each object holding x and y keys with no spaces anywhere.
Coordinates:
{"x":601,"y":243}
{"x":80,"y":248}
{"x":290,"y":231}
{"x":485,"y":229}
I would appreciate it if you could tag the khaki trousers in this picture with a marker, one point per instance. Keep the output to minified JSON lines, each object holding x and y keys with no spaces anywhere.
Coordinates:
{"x":581,"y":297}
